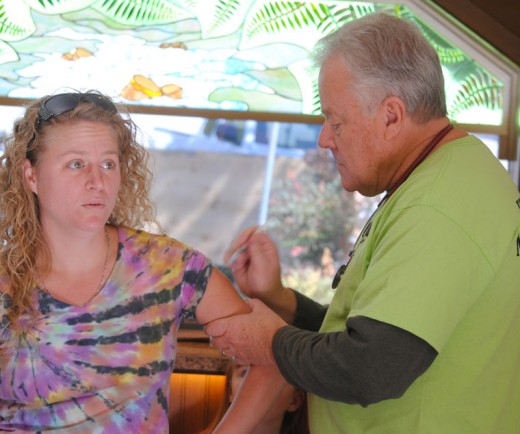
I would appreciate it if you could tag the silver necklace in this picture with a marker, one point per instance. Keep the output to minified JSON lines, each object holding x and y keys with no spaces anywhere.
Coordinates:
{"x":101,"y":281}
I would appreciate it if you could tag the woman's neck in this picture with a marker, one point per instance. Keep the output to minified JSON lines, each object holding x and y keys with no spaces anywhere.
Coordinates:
{"x":268,"y":427}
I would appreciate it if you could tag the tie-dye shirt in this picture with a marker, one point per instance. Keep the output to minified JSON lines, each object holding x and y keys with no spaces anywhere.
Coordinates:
{"x":105,"y":367}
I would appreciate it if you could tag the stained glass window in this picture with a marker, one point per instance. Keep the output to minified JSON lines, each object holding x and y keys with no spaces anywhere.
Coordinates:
{"x":232,"y":56}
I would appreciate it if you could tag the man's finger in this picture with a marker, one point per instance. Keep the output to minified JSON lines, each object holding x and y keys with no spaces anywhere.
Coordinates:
{"x":216,"y":328}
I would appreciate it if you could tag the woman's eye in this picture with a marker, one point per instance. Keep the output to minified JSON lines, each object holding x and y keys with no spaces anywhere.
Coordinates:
{"x":109,"y":165}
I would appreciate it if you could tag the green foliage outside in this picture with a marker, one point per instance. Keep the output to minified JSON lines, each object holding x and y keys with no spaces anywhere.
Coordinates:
{"x":315,"y":223}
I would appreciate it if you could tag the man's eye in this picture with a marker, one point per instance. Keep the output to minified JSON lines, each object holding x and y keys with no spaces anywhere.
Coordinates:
{"x":76,"y":165}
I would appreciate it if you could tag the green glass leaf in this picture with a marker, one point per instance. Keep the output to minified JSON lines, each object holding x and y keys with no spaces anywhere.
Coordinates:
{"x":16,"y":22}
{"x":55,"y":7}
{"x":477,"y":90}
{"x":139,"y":12}
{"x":281,"y":15}
{"x":225,"y":11}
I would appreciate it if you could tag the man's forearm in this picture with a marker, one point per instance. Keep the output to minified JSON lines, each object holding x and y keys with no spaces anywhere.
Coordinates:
{"x":284,"y":304}
{"x":297,"y":309}
{"x":367,"y":363}
{"x":309,"y":314}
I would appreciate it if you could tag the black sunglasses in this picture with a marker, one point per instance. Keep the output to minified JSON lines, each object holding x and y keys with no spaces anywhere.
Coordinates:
{"x":64,"y":102}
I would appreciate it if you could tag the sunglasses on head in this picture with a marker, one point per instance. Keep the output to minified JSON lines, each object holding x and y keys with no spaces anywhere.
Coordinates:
{"x":64,"y":102}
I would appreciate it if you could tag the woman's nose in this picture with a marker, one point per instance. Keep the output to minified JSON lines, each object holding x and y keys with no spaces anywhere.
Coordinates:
{"x":95,"y":178}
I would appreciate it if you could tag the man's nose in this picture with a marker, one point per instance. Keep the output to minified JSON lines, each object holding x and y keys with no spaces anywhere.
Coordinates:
{"x":325,"y":139}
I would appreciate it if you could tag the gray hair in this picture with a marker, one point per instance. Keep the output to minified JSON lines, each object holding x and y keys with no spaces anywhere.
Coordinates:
{"x":389,"y":57}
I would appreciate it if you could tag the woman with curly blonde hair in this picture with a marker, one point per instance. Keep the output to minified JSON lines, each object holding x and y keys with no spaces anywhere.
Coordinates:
{"x":90,"y":302}
{"x":20,"y":224}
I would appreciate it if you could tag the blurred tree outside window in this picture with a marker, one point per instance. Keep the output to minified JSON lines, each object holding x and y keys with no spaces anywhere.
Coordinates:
{"x":315,"y":223}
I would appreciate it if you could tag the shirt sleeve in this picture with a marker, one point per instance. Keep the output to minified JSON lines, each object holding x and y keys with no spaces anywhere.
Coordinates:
{"x":368,"y":362}
{"x":309,"y":313}
{"x":195,"y":280}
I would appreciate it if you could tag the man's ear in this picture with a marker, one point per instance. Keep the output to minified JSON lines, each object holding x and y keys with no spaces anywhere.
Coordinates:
{"x":393,"y":112}
{"x":29,"y":173}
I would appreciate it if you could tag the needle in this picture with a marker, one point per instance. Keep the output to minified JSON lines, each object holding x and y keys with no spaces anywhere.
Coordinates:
{"x":239,"y":251}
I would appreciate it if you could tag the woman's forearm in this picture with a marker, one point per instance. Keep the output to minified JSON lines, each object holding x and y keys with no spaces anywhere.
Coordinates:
{"x":256,"y":395}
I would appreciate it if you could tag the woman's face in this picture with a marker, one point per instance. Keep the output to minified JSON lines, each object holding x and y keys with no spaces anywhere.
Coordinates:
{"x":77,"y":177}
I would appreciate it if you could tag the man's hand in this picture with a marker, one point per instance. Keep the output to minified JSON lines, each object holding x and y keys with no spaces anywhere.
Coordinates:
{"x":256,"y":269}
{"x":247,"y":338}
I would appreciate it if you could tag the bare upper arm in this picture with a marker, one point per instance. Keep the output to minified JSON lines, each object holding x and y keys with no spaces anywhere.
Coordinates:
{"x":220,"y":299}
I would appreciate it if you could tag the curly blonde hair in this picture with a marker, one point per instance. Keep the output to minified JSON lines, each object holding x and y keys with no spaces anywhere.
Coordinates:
{"x":22,"y":238}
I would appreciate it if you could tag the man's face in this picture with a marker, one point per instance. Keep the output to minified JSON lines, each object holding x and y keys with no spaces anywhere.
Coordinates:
{"x":349,"y":132}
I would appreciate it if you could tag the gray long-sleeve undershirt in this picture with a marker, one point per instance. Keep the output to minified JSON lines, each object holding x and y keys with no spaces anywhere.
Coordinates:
{"x":369,"y":362}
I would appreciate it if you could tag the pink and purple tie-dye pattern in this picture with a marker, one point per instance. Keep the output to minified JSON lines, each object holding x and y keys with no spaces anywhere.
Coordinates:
{"x":104,"y":367}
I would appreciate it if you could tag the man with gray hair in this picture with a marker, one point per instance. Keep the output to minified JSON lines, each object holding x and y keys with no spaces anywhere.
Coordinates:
{"x":423,"y":332}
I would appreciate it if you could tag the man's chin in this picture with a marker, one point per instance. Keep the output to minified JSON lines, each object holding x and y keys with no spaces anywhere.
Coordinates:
{"x":351,"y":187}
{"x":348,"y":185}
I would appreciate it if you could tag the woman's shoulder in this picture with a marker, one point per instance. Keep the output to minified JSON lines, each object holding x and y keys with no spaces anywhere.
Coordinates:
{"x":141,"y":236}
{"x":138,"y":240}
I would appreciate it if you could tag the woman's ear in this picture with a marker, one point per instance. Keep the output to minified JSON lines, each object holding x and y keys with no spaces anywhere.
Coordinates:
{"x":29,"y":172}
{"x":297,"y":401}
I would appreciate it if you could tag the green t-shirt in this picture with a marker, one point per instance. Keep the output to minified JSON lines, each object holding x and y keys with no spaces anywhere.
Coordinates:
{"x":441,"y":260}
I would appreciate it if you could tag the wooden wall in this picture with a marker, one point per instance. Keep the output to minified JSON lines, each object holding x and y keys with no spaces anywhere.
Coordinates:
{"x":195,"y":400}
